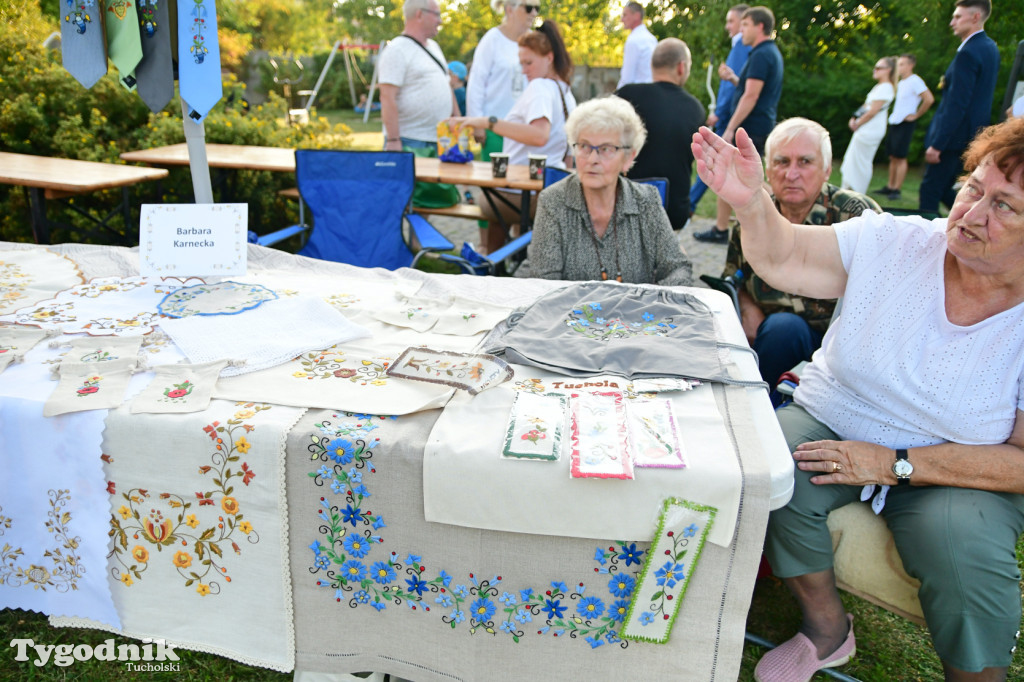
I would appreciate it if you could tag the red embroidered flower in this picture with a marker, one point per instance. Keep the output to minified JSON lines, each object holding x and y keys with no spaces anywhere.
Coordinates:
{"x":248,"y":474}
{"x":344,"y":373}
{"x":177,"y":393}
{"x":88,"y":389}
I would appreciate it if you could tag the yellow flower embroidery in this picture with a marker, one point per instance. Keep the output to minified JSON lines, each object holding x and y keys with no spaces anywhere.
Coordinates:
{"x":192,"y":521}
{"x":245,"y":527}
{"x":182,"y":559}
{"x":229,"y":505}
{"x":378,"y":382}
{"x":126,"y":578}
{"x":203,"y":589}
{"x":244,"y":414}
{"x":243,"y":445}
{"x":299,"y":375}
{"x":124,"y":512}
{"x":140,"y":554}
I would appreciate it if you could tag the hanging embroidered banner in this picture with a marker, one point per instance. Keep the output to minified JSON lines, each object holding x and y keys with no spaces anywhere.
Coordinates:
{"x":199,"y":80}
{"x":16,"y":341}
{"x":599,"y":448}
{"x":473,"y":372}
{"x":90,"y":386}
{"x":124,"y":42}
{"x":653,"y":434}
{"x":179,"y":388}
{"x":155,"y":73}
{"x":535,"y":426}
{"x":669,"y":565}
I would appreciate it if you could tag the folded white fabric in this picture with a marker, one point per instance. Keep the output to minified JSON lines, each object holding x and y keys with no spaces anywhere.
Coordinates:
{"x":267,"y":336}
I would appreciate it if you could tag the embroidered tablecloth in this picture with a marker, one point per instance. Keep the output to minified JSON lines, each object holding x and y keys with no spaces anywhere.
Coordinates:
{"x":197,"y":512}
{"x":378,"y":588}
{"x":30,"y":276}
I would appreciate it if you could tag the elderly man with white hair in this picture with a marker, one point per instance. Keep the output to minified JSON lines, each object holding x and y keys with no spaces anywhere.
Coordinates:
{"x":415,"y":94}
{"x":785,"y":329}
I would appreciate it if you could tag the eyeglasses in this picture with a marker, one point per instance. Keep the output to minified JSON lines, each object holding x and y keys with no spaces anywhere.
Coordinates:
{"x":432,"y":11}
{"x":604,"y":151}
{"x":879,"y":67}
{"x":531,"y":9}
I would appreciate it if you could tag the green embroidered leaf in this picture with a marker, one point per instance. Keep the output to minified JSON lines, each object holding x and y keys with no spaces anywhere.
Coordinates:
{"x":657,"y":595}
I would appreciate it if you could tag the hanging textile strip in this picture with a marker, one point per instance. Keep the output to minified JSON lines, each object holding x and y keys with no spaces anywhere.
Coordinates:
{"x":198,"y":57}
{"x":155,"y":73}
{"x":599,"y":448}
{"x":669,"y":565}
{"x":535,"y":426}
{"x":124,"y":43}
{"x":473,"y":372}
{"x":81,"y":41}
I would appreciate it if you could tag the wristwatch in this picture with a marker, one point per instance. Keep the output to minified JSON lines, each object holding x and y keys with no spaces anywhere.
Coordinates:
{"x":902,"y":468}
{"x":491,"y":121}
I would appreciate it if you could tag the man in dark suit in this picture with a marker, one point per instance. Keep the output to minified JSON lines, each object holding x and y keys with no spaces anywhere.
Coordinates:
{"x":671,"y":116}
{"x":968,"y":87}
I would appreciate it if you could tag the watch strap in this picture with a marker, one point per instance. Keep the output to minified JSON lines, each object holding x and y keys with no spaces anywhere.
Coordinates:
{"x":901,"y":454}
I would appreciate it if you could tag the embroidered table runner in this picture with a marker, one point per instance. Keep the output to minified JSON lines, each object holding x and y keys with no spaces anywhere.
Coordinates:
{"x":53,"y":499}
{"x":198,"y":516}
{"x":30,"y":276}
{"x":378,"y":588}
{"x":463,"y":459}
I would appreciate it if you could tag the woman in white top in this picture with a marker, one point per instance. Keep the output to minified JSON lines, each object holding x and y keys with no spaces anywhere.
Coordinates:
{"x":868,"y":126}
{"x":536,"y":122}
{"x":496,"y":80}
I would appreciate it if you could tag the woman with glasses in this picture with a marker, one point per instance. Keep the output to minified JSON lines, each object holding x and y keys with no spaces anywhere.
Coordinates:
{"x":596,"y":224}
{"x":868,"y":126}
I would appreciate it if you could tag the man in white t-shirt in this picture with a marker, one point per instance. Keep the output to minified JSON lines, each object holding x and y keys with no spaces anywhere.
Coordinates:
{"x":414,"y":89}
{"x":913,"y":98}
{"x":636,"y":55}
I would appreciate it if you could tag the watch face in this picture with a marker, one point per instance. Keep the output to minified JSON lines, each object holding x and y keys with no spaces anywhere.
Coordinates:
{"x":902,"y":468}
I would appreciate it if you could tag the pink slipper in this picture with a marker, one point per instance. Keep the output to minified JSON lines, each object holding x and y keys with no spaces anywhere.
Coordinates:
{"x":796,"y":660}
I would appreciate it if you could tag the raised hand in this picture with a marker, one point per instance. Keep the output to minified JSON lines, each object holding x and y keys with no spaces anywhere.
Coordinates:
{"x":733,"y":173}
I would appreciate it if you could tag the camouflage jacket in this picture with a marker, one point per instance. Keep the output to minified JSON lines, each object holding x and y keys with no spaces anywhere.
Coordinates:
{"x":834,"y":205}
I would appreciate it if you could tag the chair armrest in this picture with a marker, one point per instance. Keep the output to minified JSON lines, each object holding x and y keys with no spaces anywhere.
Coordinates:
{"x":427,"y":235}
{"x":510,"y":249}
{"x":281,"y":235}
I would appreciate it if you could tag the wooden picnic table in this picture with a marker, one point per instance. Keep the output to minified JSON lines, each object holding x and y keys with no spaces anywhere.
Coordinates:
{"x":46,"y":177}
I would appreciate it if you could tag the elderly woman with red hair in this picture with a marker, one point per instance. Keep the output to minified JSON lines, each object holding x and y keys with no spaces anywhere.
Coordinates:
{"x":917,"y":390}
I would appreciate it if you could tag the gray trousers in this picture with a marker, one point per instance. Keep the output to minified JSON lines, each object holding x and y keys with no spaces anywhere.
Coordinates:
{"x":958,"y":542}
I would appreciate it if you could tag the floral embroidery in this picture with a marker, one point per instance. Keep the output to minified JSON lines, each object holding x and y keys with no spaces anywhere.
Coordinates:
{"x":63,"y":569}
{"x":353,"y":567}
{"x":331,"y":363}
{"x":198,"y":47}
{"x":586,"y":320}
{"x":105,"y":286}
{"x":413,"y":312}
{"x":222,"y":298}
{"x":466,"y":317}
{"x":13,"y":282}
{"x":176,"y":393}
{"x":167,"y":521}
{"x":90,"y":386}
{"x":341,"y":301}
{"x":6,"y":349}
{"x":474,"y":372}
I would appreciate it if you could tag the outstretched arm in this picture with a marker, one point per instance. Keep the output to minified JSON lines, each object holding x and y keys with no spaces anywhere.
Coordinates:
{"x":794,"y":258}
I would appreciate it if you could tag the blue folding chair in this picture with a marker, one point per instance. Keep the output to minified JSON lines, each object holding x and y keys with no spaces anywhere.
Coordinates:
{"x":360,"y":203}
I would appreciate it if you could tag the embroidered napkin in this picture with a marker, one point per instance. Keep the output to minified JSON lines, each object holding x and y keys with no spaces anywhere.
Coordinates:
{"x":90,"y":386}
{"x":32,"y":275}
{"x":473,"y":372}
{"x":270,"y":335}
{"x":16,"y":341}
{"x":669,"y":565}
{"x":179,"y":388}
{"x":222,"y":298}
{"x":198,"y":527}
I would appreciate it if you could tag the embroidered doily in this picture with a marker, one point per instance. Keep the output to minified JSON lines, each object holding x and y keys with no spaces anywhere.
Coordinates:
{"x":33,"y":275}
{"x":223,"y":298}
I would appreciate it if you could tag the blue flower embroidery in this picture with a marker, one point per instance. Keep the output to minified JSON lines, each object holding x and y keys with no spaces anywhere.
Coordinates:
{"x":594,"y":642}
{"x":446,"y":579}
{"x":525,"y":595}
{"x":631,"y":555}
{"x":460,"y":591}
{"x":646,"y":618}
{"x":382,"y":573}
{"x":647,"y":317}
{"x":508,"y":599}
{"x":458,"y":616}
{"x":355,"y":476}
{"x":379,"y":605}
{"x":362,"y":596}
{"x":669,"y":574}
{"x":350,"y":515}
{"x":524,"y":616}
{"x":325,"y":472}
{"x":315,"y":546}
{"x":416,"y":585}
{"x":590,"y":607}
{"x":508,"y":626}
{"x":444,"y":600}
{"x":361,"y":491}
{"x":618,"y":610}
{"x":340,"y":451}
{"x":353,"y":570}
{"x":559,"y":585}
{"x":338,"y":487}
{"x":378,"y":523}
{"x":599,"y":555}
{"x":594,"y":306}
{"x":413,"y":559}
{"x":322,"y":561}
{"x":554,"y":608}
{"x":482,"y":609}
{"x":621,"y":585}
{"x":690,"y":530}
{"x":357,"y":546}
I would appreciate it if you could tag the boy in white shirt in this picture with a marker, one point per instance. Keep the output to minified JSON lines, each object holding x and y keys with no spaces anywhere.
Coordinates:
{"x":913,"y":98}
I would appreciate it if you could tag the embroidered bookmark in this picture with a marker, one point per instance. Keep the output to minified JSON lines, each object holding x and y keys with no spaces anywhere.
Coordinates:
{"x":535,"y":426}
{"x":473,"y":372}
{"x":662,"y":384}
{"x":179,"y":388}
{"x":653,"y":435}
{"x":670,"y":563}
{"x":89,"y":386}
{"x":16,"y":341}
{"x":599,"y":448}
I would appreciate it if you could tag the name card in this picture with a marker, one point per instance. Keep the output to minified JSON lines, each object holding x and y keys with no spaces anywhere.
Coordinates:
{"x":195,"y":240}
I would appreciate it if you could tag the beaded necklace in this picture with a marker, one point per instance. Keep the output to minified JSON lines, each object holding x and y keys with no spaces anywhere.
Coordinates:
{"x":613,"y":226}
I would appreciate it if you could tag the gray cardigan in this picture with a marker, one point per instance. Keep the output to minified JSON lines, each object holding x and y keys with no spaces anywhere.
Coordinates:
{"x":563,"y":248}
